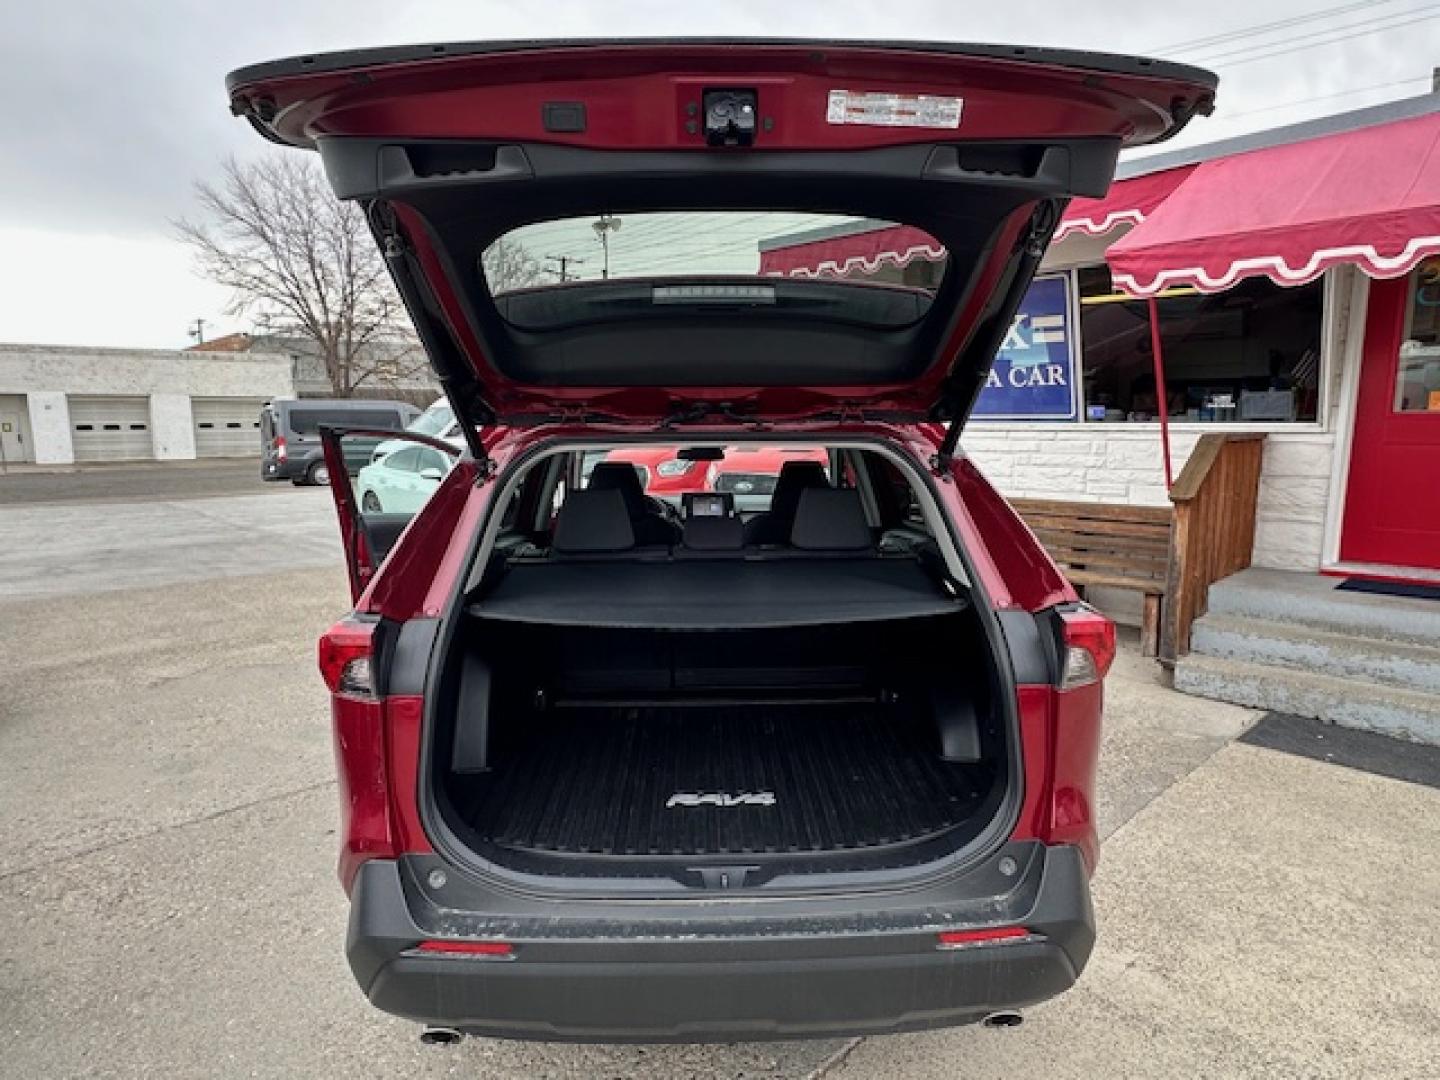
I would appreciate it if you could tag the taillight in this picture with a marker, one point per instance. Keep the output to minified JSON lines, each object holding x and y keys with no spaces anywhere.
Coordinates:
{"x":279,"y":445}
{"x":345,"y":655}
{"x":1089,"y":647}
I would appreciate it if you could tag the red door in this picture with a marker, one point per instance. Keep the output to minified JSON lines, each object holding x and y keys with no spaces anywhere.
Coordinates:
{"x":1392,"y":502}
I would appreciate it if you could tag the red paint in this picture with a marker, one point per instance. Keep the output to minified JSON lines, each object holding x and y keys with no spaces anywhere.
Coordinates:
{"x":1392,"y":498}
{"x":637,"y":94}
{"x":365,"y":833}
{"x":1060,"y":750}
{"x":403,"y":721}
{"x":1029,"y":577}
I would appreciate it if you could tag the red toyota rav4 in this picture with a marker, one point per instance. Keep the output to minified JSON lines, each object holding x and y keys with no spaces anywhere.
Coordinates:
{"x":608,"y":773}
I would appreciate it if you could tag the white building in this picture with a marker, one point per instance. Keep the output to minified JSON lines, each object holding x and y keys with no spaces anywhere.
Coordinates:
{"x":61,"y":405}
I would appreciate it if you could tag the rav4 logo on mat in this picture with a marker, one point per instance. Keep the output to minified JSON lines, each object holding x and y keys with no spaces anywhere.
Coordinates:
{"x":721,"y":798}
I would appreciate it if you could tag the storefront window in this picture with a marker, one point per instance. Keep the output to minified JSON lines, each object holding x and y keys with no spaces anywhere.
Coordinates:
{"x":1251,"y":353}
{"x":1417,"y":383}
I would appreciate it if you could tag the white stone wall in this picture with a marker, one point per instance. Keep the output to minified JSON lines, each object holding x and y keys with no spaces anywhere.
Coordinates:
{"x":27,"y":369}
{"x":1098,"y":463}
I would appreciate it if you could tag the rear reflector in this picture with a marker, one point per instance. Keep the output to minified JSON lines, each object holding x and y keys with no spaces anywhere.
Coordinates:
{"x":962,"y":939}
{"x":466,"y":948}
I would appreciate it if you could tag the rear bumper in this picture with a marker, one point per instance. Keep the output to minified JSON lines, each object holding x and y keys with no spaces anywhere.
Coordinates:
{"x":752,"y":974}
{"x":288,"y":469}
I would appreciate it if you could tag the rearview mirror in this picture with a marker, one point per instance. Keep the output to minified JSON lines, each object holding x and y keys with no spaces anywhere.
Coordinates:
{"x":431,"y":473}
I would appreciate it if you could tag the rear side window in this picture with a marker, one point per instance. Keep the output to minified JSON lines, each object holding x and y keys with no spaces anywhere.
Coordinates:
{"x":308,"y":421}
{"x":406,"y":460}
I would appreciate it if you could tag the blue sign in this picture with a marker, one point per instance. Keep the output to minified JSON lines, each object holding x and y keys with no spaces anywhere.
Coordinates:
{"x":1034,"y":373}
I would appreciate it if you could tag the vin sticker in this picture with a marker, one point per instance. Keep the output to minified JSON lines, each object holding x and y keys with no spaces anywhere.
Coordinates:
{"x":893,"y":110}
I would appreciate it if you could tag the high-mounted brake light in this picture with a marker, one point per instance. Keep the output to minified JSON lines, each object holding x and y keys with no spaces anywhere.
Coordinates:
{"x":996,"y":935}
{"x":1089,"y":647}
{"x":345,"y":652}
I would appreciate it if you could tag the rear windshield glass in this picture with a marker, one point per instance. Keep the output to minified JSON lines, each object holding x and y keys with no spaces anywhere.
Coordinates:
{"x":752,"y":251}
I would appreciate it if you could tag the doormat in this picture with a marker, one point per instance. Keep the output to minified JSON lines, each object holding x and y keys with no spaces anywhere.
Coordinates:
{"x":1414,"y":590}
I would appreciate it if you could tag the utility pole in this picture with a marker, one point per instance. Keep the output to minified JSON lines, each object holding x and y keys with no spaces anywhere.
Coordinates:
{"x":197,"y":331}
{"x":604,"y":226}
{"x":563,"y":270}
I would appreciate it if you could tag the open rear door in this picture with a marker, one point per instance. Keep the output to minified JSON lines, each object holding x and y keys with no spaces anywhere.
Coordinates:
{"x":375,"y":505}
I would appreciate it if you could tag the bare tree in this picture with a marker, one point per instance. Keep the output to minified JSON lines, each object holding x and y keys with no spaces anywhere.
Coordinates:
{"x":508,"y":267}
{"x":298,"y":260}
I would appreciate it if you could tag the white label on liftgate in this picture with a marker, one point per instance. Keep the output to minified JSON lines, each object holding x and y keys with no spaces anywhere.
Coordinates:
{"x":720,"y":798}
{"x":893,"y":110}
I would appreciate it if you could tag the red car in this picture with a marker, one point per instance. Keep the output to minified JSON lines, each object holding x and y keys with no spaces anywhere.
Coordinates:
{"x":608,"y":773}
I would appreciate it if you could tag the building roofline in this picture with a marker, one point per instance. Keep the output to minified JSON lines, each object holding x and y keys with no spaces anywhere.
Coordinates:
{"x":1334,"y":124}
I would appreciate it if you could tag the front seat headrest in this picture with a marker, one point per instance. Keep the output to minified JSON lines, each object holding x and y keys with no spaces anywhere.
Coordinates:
{"x":593,"y":521}
{"x":620,"y":476}
{"x":831,"y":519}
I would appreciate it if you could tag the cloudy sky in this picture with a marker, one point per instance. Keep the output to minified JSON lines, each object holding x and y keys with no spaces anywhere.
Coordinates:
{"x":115,"y":107}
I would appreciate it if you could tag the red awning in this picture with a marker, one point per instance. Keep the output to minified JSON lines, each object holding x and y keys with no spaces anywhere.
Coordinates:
{"x":1369,"y":197}
{"x":1128,"y":202}
{"x":857,"y":252}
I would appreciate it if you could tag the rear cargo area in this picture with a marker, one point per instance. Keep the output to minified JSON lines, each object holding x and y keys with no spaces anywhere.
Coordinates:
{"x":682,"y":753}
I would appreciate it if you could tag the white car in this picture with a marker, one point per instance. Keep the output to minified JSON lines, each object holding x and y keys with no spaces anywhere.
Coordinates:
{"x":402,"y":481}
{"x":438,"y":420}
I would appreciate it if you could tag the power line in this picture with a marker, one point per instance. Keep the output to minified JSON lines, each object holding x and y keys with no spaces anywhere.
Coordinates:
{"x":1258,"y":29}
{"x":1318,"y":44}
{"x":1330,"y":34}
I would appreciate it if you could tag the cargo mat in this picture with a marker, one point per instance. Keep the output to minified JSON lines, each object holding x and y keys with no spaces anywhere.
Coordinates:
{"x":723,"y":782}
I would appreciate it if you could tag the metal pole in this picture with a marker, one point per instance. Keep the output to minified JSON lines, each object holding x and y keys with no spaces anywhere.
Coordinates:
{"x":1157,"y":357}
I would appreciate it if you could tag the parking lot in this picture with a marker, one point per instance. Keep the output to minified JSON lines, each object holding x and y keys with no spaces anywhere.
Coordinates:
{"x":168,"y":904}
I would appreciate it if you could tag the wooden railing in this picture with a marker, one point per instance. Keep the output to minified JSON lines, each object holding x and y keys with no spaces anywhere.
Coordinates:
{"x":1214,"y":529}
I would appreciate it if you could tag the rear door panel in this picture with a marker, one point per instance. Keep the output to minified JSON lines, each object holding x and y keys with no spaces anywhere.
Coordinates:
{"x":366,"y":539}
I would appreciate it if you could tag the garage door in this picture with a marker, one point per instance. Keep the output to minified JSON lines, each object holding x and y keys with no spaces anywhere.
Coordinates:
{"x":227,"y":426}
{"x":111,"y":428}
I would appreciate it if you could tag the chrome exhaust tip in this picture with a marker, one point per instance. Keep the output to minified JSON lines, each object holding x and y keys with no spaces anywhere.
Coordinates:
{"x":440,"y":1036}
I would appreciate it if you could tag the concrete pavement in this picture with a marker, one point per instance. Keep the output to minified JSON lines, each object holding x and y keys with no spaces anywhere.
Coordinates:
{"x":168,"y":904}
{"x":135,"y":480}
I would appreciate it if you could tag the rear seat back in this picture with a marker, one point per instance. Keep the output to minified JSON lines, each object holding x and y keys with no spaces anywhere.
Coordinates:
{"x":712,"y":538}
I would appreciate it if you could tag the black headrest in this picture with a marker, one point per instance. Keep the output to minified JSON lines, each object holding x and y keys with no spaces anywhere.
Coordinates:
{"x":593,"y":521}
{"x":620,"y":476}
{"x":714,"y":534}
{"x":831,"y":519}
{"x":795,"y":478}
